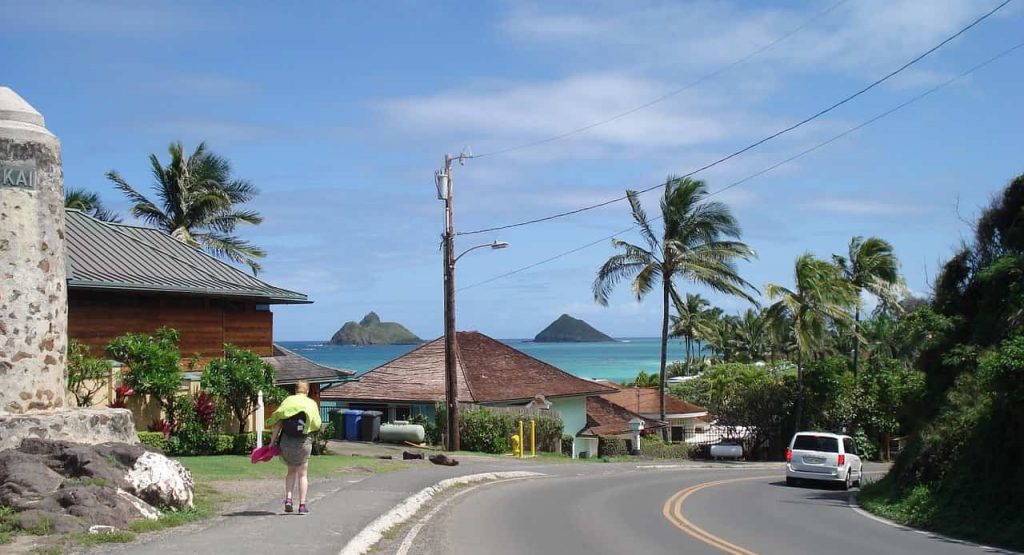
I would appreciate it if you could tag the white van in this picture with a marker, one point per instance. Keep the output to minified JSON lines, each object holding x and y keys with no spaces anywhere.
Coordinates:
{"x":824,"y":457}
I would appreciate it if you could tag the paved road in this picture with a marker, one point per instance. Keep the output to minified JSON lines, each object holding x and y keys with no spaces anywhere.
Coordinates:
{"x":664,"y":511}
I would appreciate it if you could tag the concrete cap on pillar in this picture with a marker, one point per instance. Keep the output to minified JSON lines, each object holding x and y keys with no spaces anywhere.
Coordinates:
{"x":14,"y":108}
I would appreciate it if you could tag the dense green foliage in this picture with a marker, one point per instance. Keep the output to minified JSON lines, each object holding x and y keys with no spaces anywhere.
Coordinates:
{"x":237,"y":379}
{"x":198,"y":203}
{"x":154,"y":365}
{"x":961,"y":472}
{"x":371,"y":331}
{"x":489,"y":431}
{"x":87,"y":376}
{"x":696,"y":245}
{"x":567,"y":329}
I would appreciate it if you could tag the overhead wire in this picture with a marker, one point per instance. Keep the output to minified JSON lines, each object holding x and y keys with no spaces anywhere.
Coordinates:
{"x":801,"y":154}
{"x":670,"y":94}
{"x":757,"y":143}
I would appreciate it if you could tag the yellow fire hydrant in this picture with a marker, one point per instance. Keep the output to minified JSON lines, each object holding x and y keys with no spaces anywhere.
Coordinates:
{"x":517,"y":445}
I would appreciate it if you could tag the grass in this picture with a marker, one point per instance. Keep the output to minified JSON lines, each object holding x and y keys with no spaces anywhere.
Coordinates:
{"x":88,"y":540}
{"x":47,"y":550}
{"x":238,"y":467}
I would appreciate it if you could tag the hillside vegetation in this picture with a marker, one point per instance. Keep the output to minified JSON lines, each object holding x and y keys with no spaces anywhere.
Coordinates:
{"x":961,"y":472}
{"x":371,"y":331}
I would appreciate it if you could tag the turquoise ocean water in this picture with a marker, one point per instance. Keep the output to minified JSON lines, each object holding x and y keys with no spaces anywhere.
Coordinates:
{"x":618,"y":361}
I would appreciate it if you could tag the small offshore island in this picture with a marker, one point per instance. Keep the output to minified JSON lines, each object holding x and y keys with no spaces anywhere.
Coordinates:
{"x":371,"y":331}
{"x":567,"y":329}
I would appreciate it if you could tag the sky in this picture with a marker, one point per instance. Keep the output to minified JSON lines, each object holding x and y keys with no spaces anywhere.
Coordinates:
{"x":341,"y":112}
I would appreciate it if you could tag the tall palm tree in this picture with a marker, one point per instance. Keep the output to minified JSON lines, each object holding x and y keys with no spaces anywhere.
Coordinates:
{"x":691,"y":322}
{"x":691,"y":247}
{"x":722,"y":337}
{"x":870,"y":266}
{"x":752,"y":335}
{"x":198,"y":203}
{"x":90,"y":203}
{"x":821,"y":298}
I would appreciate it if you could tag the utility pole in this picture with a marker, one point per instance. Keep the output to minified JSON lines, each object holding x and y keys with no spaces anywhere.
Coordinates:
{"x":444,"y":192}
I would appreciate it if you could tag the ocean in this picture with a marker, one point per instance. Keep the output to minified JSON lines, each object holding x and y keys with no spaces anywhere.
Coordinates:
{"x":618,"y":361}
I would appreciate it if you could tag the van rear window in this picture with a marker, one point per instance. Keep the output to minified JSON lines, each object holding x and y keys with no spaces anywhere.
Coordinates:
{"x":817,"y":443}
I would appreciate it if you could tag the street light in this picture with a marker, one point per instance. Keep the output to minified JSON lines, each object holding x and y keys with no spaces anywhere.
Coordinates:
{"x":443,"y":181}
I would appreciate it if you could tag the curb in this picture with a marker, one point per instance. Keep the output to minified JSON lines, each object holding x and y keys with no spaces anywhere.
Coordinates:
{"x":715,"y":466}
{"x":374,"y":531}
{"x":987,"y":548}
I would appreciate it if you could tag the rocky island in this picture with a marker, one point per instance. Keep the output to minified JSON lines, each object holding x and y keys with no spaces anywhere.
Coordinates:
{"x":567,"y":329}
{"x":371,"y":331}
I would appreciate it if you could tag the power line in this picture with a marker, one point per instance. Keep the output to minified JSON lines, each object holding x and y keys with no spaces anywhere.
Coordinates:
{"x":801,"y":154}
{"x":669,"y":94}
{"x":759,"y":142}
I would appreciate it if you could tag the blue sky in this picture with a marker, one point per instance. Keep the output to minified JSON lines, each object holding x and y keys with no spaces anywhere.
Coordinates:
{"x":340,"y":113}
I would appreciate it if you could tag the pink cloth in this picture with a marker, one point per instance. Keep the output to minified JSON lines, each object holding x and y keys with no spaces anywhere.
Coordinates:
{"x":265,"y":453}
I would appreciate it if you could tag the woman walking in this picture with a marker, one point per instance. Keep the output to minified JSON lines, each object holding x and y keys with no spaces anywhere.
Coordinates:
{"x":296,"y":418}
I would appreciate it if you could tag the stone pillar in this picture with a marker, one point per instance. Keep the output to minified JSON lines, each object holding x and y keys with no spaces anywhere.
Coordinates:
{"x":33,"y":283}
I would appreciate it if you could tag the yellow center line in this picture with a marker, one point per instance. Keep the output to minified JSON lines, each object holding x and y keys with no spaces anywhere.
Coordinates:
{"x":673,"y":512}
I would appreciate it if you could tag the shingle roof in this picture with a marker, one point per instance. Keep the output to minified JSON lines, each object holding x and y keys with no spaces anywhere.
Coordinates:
{"x":102,"y":255}
{"x":292,"y":367}
{"x":644,"y":400}
{"x":487,"y":371}
{"x":607,"y":419}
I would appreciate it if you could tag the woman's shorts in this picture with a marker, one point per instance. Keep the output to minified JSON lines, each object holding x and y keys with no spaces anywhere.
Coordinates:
{"x":295,"y":451}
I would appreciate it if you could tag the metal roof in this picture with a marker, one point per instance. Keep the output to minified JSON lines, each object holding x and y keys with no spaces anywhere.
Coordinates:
{"x":102,"y":255}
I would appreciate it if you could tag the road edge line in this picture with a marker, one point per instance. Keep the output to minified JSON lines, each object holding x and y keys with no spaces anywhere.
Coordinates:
{"x":852,"y":502}
{"x":407,"y":508}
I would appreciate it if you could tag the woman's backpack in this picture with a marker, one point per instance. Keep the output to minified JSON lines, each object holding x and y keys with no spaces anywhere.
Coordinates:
{"x":294,"y":426}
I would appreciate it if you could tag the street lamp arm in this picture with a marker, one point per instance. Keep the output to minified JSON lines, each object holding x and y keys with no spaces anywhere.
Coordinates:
{"x":494,"y":245}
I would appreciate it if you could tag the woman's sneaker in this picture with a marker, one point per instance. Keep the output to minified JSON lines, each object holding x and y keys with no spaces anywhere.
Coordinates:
{"x":303,"y":510}
{"x":288,"y":506}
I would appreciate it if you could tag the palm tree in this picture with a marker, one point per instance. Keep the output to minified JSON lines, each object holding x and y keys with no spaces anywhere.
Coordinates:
{"x":691,"y":247}
{"x":821,"y":299}
{"x":722,"y":337}
{"x":198,"y":199}
{"x":870,"y":266}
{"x":90,"y":203}
{"x":692,"y":322}
{"x":752,"y":335}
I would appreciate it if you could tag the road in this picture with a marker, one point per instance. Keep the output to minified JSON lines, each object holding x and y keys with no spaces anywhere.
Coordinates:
{"x":628,"y":510}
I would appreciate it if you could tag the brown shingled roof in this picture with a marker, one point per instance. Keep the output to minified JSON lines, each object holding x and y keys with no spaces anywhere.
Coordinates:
{"x":647,"y":401}
{"x":487,"y":371}
{"x":606,"y":419}
{"x":291,"y":367}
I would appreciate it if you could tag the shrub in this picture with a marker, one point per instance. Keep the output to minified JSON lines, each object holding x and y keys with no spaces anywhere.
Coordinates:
{"x":612,"y":447}
{"x":567,"y":442}
{"x":654,"y":448}
{"x":237,"y":380}
{"x":243,"y":444}
{"x":154,"y":365}
{"x":321,"y":437}
{"x":86,"y":375}
{"x":154,"y":439}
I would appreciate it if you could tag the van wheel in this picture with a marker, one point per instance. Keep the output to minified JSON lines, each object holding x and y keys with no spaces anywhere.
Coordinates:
{"x":849,"y":480}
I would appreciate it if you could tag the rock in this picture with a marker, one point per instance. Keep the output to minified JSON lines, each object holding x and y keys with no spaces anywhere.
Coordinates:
{"x":101,"y":529}
{"x":443,"y":460}
{"x":567,"y":329}
{"x":70,"y":487}
{"x":91,"y":426}
{"x":407,"y":456}
{"x":161,"y":481}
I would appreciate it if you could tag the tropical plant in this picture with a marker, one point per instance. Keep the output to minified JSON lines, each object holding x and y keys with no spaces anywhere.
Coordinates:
{"x":691,"y":247}
{"x":820,"y":299}
{"x":238,"y":378}
{"x":752,"y":336}
{"x":86,"y":375}
{"x":870,"y":266}
{"x":692,"y":323}
{"x":721,"y":337}
{"x":154,"y":366}
{"x":643,"y":379}
{"x":198,"y":203}
{"x":90,"y":203}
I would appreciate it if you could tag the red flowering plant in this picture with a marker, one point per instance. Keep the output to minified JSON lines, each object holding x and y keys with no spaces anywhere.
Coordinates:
{"x":160,"y":425}
{"x":121,"y":395}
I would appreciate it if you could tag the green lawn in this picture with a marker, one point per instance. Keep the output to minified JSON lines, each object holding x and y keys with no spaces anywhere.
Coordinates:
{"x":238,"y":467}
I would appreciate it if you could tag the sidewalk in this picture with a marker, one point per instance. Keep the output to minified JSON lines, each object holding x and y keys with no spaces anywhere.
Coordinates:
{"x":339,"y":509}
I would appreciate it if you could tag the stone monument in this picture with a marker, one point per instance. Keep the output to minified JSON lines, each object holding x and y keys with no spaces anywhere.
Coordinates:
{"x":33,"y":291}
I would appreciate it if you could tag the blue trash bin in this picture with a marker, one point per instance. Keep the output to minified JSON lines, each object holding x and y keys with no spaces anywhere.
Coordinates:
{"x":352,"y":418}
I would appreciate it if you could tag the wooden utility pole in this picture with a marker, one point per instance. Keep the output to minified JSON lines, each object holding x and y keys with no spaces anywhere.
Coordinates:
{"x":445,"y":190}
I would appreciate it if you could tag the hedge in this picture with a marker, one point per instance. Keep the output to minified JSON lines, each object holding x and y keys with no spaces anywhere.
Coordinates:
{"x":612,"y":447}
{"x":221,"y":444}
{"x":491,"y":432}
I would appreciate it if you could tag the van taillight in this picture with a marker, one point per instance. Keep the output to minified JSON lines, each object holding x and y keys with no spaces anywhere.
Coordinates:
{"x":842,"y":460}
{"x":789,"y":455}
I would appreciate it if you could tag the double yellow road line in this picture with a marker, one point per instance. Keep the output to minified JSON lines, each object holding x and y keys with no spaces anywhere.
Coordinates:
{"x":673,"y":511}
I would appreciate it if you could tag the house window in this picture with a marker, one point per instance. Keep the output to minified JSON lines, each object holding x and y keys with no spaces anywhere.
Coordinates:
{"x":403,"y":412}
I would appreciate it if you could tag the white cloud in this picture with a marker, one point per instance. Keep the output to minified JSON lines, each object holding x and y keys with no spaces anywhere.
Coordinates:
{"x":864,"y":207}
